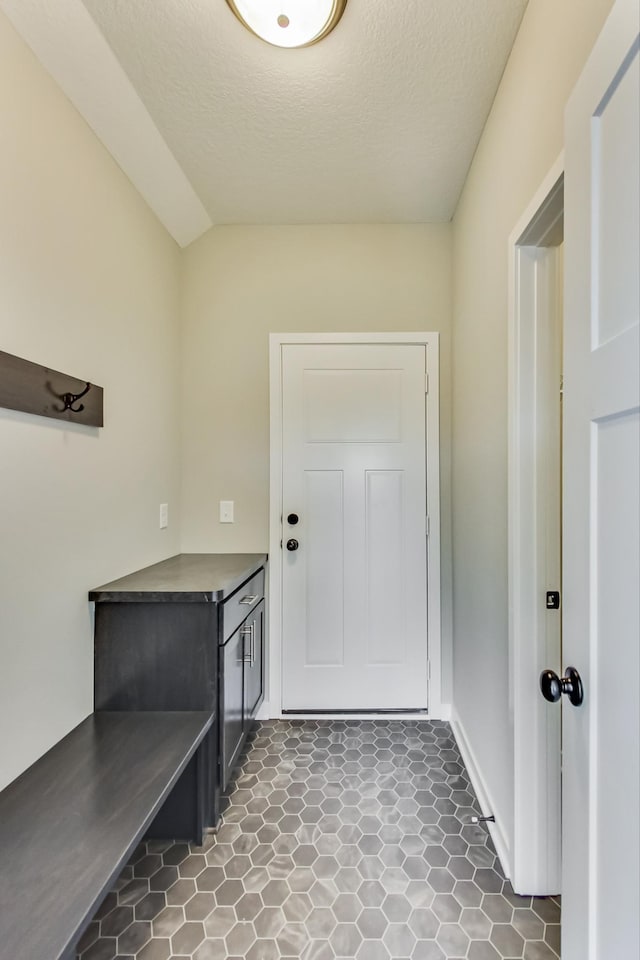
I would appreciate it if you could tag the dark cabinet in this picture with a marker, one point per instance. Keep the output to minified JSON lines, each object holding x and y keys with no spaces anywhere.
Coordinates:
{"x":162,"y":656}
{"x":186,"y":634}
{"x":241,"y":686}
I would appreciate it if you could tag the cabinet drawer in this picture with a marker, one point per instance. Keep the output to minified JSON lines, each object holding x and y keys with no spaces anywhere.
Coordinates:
{"x":237,"y":607}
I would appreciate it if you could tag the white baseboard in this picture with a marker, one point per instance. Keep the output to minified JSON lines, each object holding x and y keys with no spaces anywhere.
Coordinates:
{"x":264,"y":711}
{"x":483,"y":794}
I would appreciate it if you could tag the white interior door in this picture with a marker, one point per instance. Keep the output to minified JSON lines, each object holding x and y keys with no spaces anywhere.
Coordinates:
{"x":601,"y":775}
{"x":354,"y":603}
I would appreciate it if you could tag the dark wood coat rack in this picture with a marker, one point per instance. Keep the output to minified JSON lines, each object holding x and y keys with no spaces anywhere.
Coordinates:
{"x":32,"y":388}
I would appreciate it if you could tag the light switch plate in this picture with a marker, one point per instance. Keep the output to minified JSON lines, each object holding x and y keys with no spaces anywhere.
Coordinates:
{"x":164,"y":516}
{"x":226,"y":511}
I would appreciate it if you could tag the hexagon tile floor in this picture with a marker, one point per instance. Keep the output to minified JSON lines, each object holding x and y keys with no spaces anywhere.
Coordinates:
{"x":341,"y":839}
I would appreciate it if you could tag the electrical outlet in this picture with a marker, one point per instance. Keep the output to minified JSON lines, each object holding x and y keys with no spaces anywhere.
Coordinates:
{"x":164,"y":515}
{"x":226,"y":511}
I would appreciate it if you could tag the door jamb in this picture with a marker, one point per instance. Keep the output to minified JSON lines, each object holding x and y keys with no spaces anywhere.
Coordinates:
{"x":274,"y":643}
{"x":535,"y":846}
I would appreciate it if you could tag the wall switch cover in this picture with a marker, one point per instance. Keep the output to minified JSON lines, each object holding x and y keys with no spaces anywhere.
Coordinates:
{"x":226,"y":511}
{"x":164,"y":515}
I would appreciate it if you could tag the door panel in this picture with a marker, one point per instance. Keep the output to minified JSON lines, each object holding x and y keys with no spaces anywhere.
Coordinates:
{"x":616,"y":200}
{"x":352,"y":406}
{"x":354,"y":469}
{"x":615,"y":654}
{"x":324,"y":564}
{"x":601,"y":762}
{"x":385,"y":561}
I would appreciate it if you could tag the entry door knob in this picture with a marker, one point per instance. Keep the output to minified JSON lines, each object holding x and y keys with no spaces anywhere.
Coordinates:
{"x":553,"y":687}
{"x":292,"y":544}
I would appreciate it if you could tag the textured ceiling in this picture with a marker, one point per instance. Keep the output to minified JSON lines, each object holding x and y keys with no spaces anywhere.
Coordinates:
{"x":377,"y":123}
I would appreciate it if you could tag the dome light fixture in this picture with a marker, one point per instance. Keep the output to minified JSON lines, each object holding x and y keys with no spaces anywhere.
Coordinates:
{"x":289,"y":23}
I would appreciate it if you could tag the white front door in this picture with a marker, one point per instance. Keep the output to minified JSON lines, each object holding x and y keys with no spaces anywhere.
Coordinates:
{"x":354,"y":603}
{"x":601,"y":770}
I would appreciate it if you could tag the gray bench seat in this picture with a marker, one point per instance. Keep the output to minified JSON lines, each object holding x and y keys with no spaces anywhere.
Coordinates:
{"x":71,"y":821}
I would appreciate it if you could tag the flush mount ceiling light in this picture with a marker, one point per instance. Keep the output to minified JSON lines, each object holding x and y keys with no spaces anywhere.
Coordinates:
{"x":289,"y":23}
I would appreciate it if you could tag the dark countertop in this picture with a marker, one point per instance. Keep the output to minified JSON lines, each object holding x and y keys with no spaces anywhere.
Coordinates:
{"x":185,"y":578}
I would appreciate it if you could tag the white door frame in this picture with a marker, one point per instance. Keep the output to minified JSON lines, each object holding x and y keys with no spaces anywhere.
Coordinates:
{"x":274,"y":642}
{"x":533,"y":305}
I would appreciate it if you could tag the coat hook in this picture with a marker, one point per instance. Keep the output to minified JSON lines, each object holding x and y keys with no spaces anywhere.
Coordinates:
{"x":68,"y":399}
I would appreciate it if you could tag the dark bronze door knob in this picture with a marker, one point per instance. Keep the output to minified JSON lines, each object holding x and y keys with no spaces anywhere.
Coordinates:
{"x":553,"y":687}
{"x":292,"y":544}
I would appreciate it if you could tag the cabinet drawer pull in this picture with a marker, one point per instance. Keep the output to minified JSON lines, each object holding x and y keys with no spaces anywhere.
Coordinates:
{"x":249,"y":600}
{"x":248,"y":632}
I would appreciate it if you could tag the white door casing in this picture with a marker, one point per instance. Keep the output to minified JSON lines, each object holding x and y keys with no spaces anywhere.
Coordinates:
{"x":601,"y":535}
{"x":354,"y":424}
{"x":535,"y":365}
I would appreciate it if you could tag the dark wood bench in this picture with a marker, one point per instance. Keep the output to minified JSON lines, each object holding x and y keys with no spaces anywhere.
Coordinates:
{"x":70,"y":822}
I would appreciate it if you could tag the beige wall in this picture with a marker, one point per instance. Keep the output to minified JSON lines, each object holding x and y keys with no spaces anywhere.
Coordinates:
{"x":89,"y":286}
{"x":241,"y":283}
{"x":522,"y":139}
